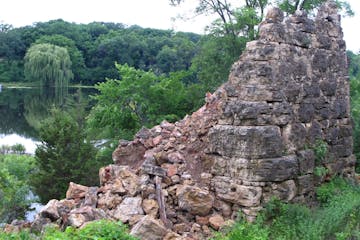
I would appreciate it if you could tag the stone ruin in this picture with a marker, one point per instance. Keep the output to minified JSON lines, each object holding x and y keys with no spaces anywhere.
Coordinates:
{"x":253,"y":139}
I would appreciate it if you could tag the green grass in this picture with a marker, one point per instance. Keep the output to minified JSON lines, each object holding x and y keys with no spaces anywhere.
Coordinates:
{"x":99,"y":230}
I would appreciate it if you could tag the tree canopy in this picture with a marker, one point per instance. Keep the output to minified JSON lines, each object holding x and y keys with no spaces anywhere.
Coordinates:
{"x":49,"y":64}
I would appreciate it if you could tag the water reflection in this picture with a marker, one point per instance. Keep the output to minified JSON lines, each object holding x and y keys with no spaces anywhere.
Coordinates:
{"x":12,"y":139}
{"x":23,"y":109}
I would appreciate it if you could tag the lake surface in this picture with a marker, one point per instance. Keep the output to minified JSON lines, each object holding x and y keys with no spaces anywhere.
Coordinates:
{"x":22,"y":110}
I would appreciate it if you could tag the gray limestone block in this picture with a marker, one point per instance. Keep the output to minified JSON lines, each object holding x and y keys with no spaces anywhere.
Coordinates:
{"x":306,"y":112}
{"x":305,"y":184}
{"x":294,"y":136}
{"x":245,"y":109}
{"x":285,"y":191}
{"x":272,"y":32}
{"x":229,"y":190}
{"x":306,"y":160}
{"x":246,"y":141}
{"x":263,"y":170}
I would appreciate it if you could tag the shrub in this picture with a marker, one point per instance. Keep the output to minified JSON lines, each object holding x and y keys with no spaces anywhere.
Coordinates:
{"x":101,"y":230}
{"x":245,"y":231}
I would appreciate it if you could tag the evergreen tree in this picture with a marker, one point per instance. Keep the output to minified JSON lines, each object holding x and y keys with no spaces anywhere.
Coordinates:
{"x":63,"y":156}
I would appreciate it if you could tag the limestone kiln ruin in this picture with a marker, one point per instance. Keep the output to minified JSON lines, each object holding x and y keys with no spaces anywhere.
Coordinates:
{"x":253,"y":139}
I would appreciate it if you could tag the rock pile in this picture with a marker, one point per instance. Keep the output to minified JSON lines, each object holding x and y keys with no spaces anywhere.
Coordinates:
{"x":255,"y":138}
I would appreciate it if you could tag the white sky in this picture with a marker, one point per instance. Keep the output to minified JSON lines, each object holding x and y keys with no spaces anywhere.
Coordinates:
{"x":145,"y":13}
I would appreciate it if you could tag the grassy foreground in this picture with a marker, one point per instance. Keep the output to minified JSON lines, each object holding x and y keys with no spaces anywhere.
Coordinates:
{"x":100,"y":230}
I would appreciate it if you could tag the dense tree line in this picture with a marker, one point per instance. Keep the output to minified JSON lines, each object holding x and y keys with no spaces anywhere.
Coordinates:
{"x":94,"y":48}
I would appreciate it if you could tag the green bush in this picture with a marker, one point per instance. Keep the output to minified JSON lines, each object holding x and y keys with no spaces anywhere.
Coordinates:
{"x":245,"y":231}
{"x":99,"y":230}
{"x":14,"y":187}
{"x":23,"y":235}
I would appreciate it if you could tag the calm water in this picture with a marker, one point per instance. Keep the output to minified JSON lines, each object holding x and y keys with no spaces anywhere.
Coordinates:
{"x":22,"y":110}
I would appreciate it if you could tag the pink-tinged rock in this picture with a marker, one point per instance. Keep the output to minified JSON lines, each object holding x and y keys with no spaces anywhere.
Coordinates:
{"x":117,"y":187}
{"x":64,"y":206}
{"x":76,"y":220}
{"x":166,"y":125}
{"x":108,"y":201}
{"x":228,"y":190}
{"x":195,"y":200}
{"x":149,"y":229}
{"x":171,"y":169}
{"x":76,"y":191}
{"x":157,"y":140}
{"x":202,"y":220}
{"x":176,"y":157}
{"x":172,"y":236}
{"x":125,"y":181}
{"x":216,"y":221}
{"x":130,"y":155}
{"x":50,"y":210}
{"x":78,"y":217}
{"x":106,"y":175}
{"x":129,"y":207}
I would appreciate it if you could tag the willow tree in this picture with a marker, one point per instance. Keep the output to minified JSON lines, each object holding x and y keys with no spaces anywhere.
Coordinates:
{"x":49,"y":64}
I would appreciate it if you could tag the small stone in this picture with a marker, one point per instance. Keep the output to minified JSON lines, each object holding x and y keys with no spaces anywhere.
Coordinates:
{"x":172,"y":236}
{"x":150,"y":207}
{"x":175,"y":157}
{"x":129,"y":207}
{"x":175,"y":179}
{"x":148,"y":229}
{"x":50,"y":210}
{"x":171,"y":169}
{"x":216,"y":221}
{"x":202,"y":220}
{"x":195,"y":200}
{"x":157,"y":140}
{"x":76,"y":191}
{"x":182,"y":227}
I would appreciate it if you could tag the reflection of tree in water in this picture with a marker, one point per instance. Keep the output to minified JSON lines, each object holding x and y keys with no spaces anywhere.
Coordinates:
{"x":74,"y":101}
{"x":37,"y":107}
{"x":22,"y":110}
{"x":11,"y":112}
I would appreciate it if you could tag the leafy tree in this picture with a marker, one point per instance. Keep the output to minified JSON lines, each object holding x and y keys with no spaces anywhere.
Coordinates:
{"x":290,"y":6}
{"x":76,"y":56}
{"x":15,"y":171}
{"x":12,"y":49}
{"x":140,"y":98}
{"x":354,"y":72}
{"x":18,"y":148}
{"x":64,"y":155}
{"x":226,"y":39}
{"x":49,"y":64}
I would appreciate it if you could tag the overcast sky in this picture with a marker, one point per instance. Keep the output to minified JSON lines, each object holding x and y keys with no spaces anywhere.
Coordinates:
{"x":145,"y":13}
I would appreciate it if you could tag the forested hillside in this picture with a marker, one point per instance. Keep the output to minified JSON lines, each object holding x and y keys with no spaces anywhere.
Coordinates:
{"x":95,"y":47}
